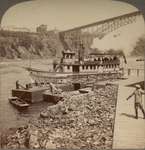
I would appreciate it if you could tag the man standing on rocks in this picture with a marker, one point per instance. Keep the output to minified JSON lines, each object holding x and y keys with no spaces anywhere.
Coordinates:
{"x":138,"y":100}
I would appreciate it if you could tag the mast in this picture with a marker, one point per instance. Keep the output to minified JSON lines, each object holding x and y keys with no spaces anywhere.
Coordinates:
{"x":30,"y":58}
{"x":79,"y":47}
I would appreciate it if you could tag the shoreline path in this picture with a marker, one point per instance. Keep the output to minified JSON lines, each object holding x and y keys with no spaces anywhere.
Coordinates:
{"x":129,"y":133}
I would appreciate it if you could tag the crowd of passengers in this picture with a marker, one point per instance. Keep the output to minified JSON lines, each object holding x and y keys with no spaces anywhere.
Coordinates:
{"x":105,"y":59}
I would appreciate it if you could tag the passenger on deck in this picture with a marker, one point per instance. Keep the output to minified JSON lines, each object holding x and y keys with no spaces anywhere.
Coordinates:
{"x":36,"y":83}
{"x":111,"y":60}
{"x":27,"y":86}
{"x":17,"y":84}
{"x":55,"y":63}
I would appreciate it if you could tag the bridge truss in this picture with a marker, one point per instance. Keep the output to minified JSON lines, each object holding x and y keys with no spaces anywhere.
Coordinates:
{"x":73,"y":37}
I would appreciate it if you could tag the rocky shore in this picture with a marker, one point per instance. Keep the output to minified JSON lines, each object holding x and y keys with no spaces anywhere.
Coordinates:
{"x":80,"y":121}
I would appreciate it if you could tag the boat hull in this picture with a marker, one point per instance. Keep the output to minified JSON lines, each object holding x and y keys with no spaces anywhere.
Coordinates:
{"x":61,"y":77}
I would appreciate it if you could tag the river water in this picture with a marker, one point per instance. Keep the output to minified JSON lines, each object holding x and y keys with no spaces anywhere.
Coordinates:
{"x":10,"y":116}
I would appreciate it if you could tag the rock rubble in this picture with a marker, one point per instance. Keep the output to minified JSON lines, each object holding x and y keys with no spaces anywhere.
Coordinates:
{"x":81,"y":121}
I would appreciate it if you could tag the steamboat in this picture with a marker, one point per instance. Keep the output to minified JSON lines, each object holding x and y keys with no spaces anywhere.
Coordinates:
{"x":74,"y":67}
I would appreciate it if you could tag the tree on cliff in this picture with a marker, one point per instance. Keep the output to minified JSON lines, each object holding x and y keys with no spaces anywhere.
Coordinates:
{"x":139,"y":48}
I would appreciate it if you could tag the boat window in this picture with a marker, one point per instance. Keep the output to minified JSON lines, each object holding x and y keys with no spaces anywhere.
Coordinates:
{"x":91,"y":67}
{"x":68,"y":67}
{"x":83,"y":67}
{"x":86,"y":67}
{"x":115,"y":58}
{"x":111,"y":59}
{"x":67,"y":56}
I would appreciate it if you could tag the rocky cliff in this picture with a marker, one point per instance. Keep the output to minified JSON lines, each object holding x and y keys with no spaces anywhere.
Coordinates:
{"x":25,"y":45}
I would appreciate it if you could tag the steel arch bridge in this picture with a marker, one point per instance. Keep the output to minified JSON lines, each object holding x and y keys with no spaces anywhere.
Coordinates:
{"x":72,"y":37}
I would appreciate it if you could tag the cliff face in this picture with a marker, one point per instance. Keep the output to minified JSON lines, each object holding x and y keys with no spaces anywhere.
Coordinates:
{"x":26,"y":45}
{"x":38,"y":45}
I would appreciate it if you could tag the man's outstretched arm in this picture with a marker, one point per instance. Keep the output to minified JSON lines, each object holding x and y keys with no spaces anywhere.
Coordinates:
{"x":130,"y":96}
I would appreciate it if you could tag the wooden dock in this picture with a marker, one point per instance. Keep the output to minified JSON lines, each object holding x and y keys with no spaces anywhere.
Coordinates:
{"x":31,"y":95}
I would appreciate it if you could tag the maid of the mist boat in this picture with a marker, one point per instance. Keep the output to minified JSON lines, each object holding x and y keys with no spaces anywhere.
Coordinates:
{"x":79,"y":68}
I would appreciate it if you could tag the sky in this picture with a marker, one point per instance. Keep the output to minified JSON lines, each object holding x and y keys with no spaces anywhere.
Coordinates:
{"x":62,"y":14}
{"x":5,"y":4}
{"x":66,"y":14}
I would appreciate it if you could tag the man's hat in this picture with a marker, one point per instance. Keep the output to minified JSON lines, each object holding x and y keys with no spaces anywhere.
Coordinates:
{"x":138,"y":86}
